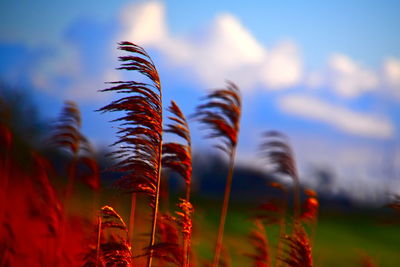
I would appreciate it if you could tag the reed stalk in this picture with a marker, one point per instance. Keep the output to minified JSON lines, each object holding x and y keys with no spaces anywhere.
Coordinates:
{"x":224,"y":210}
{"x":132,"y":217}
{"x":221,"y":114}
{"x":156,"y":206}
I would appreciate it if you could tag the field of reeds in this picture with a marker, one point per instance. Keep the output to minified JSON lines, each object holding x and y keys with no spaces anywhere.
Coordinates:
{"x":60,"y":206}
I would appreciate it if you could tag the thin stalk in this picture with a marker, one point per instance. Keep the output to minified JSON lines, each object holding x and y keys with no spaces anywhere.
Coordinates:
{"x":157,"y":200}
{"x":132,"y":217}
{"x":282,"y":230}
{"x":187,"y":194}
{"x":186,"y":253}
{"x":224,"y":211}
{"x":186,"y":242}
{"x":154,"y":224}
{"x":296,"y":200}
{"x":98,"y":242}
{"x":67,"y":195}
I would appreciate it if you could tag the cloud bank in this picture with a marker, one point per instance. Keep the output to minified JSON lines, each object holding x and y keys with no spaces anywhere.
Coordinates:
{"x":228,"y":50}
{"x":225,"y":49}
{"x":352,"y":122}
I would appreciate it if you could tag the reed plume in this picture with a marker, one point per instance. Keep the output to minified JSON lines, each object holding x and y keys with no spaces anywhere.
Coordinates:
{"x":113,"y":248}
{"x":178,"y":157}
{"x":185,"y":216}
{"x":67,"y":136}
{"x":49,"y":205}
{"x":299,"y":249}
{"x":274,"y":212}
{"x":280,"y":157}
{"x":140,"y":132}
{"x":66,"y":133}
{"x":258,"y":240}
{"x":168,"y":249}
{"x":221,"y":114}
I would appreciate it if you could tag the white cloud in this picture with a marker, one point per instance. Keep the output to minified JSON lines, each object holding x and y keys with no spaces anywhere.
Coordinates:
{"x":282,"y":67}
{"x":350,"y":79}
{"x":228,"y":50}
{"x":314,"y":79}
{"x":346,"y":120}
{"x":391,"y":72}
{"x":144,"y":23}
{"x":232,"y":43}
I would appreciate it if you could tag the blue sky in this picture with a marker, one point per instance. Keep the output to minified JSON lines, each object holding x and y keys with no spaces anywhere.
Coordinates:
{"x":327,"y":74}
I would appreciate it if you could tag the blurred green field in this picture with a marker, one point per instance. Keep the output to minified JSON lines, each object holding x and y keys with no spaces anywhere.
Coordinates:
{"x":340,"y":240}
